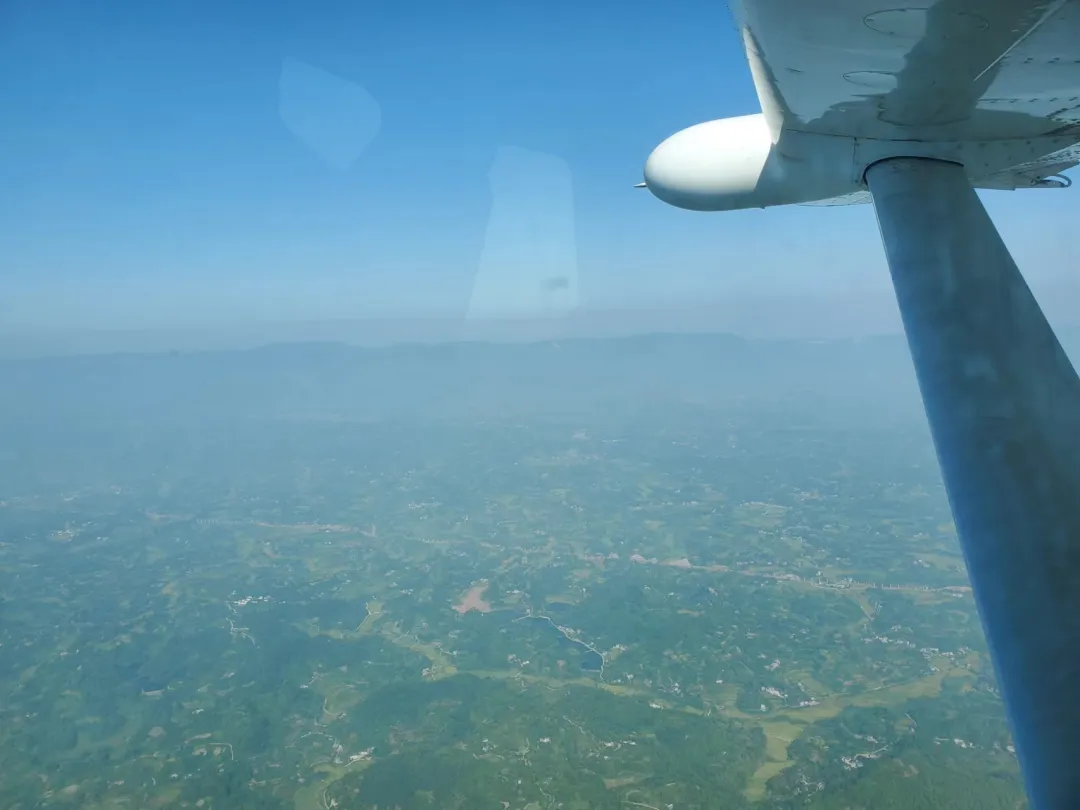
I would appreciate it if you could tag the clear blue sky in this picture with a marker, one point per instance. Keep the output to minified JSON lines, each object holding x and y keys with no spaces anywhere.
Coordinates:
{"x":188,"y":162}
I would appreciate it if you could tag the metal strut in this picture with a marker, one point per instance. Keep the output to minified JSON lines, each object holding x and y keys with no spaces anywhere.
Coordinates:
{"x":1003,"y":402}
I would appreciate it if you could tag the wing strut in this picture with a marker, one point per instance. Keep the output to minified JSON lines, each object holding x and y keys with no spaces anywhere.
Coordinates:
{"x":1003,"y":402}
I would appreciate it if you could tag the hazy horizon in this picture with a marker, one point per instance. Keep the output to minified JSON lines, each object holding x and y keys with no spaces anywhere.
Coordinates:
{"x":776,"y":316}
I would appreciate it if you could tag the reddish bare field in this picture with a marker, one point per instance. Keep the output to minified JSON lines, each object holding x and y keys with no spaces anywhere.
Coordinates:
{"x":474,"y":600}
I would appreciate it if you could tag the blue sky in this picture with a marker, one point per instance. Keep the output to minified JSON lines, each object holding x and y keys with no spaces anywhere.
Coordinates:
{"x":193,"y":163}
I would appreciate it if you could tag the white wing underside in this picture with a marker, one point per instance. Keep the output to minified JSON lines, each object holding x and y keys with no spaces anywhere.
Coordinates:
{"x":972,"y":71}
{"x":855,"y":198}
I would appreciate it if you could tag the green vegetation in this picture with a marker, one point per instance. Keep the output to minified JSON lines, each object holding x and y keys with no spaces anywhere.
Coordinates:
{"x":276,"y":613}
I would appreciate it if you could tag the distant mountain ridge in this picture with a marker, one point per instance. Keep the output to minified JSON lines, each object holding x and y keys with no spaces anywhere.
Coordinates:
{"x":551,"y":378}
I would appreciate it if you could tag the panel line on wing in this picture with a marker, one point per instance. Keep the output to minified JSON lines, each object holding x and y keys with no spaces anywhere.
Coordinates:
{"x":1053,"y":9}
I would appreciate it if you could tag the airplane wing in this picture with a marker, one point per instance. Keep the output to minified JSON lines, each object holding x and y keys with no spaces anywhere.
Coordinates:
{"x":993,"y":85}
{"x":955,"y":70}
{"x":854,"y":198}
